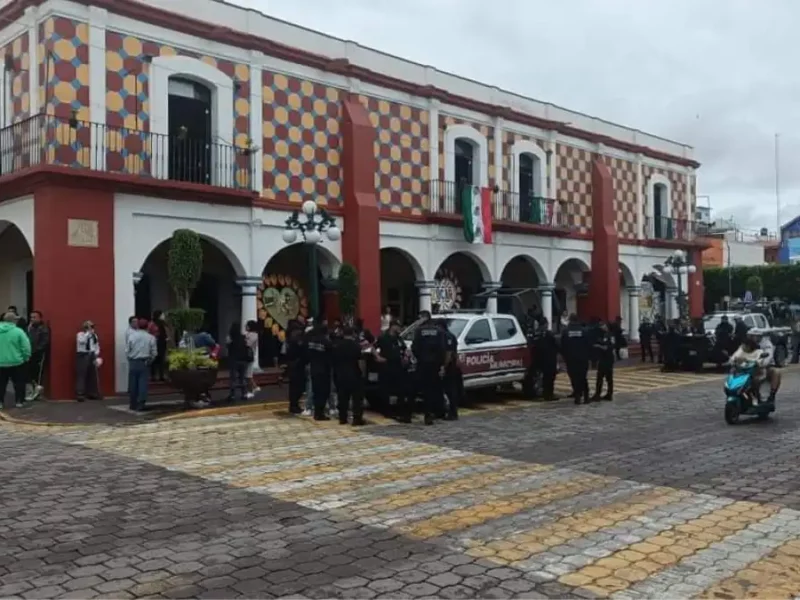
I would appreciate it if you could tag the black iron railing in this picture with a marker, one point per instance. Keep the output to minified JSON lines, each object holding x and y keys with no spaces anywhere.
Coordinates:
{"x":669,"y":229}
{"x":447,"y":198}
{"x":51,"y":140}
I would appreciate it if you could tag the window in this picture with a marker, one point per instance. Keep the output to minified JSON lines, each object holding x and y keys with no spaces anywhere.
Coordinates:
{"x":749,"y":321}
{"x":479,"y":332}
{"x":464,"y":162}
{"x":454,"y":326}
{"x":504,"y":328}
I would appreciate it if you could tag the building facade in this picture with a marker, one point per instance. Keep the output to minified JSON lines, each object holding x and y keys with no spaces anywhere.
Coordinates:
{"x":124,"y":121}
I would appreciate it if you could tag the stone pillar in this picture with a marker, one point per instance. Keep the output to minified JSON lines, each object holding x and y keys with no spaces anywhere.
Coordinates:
{"x":249,"y":289}
{"x":671,"y":308}
{"x":633,"y":313}
{"x":546,"y":293}
{"x":491,"y":300}
{"x":604,"y":283}
{"x":424,"y":288}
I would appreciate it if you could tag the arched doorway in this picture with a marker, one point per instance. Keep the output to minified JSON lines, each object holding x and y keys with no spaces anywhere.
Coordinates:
{"x":571,"y":288}
{"x":16,"y":270}
{"x":630,"y":317}
{"x":655,"y":301}
{"x":216,"y":292}
{"x":190,"y":139}
{"x":521,"y":278}
{"x":284,"y":294}
{"x":458,"y":279}
{"x":399,"y":273}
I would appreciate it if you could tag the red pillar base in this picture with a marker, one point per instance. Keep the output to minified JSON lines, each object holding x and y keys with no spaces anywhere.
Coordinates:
{"x":74,"y":277}
{"x":604,"y":282}
{"x":361,"y":237}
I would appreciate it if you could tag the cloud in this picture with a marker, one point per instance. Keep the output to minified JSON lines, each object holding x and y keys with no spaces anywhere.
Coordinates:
{"x":721,"y":80}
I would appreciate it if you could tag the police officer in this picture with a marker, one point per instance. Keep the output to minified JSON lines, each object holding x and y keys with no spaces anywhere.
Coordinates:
{"x":320,"y":351}
{"x":430,"y":348}
{"x":604,"y":345}
{"x":575,"y":347}
{"x":547,"y":349}
{"x":532,"y":372}
{"x":660,"y":331}
{"x":453,"y":381}
{"x":390,"y":351}
{"x":295,"y":357}
{"x":646,"y":339}
{"x":349,"y":376}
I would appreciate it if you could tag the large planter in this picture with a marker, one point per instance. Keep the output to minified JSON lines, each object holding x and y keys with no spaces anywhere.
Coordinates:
{"x":193,"y":383}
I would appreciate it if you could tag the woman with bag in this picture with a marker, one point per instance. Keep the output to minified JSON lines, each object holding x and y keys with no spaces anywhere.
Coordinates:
{"x":251,"y":339}
{"x":237,"y":362}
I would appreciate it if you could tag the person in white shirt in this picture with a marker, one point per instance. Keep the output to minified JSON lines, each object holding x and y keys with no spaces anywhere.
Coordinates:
{"x":87,"y":361}
{"x":386,"y":319}
{"x":758,"y":348}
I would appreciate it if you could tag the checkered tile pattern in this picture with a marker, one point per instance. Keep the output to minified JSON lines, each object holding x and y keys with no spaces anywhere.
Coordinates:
{"x":486,"y":131}
{"x":128,"y":102}
{"x":20,"y":99}
{"x":509,"y":139}
{"x":302,"y":140}
{"x":677,"y":184}
{"x":402,"y":153}
{"x":623,"y":174}
{"x":63,"y":50}
{"x":574,"y":175}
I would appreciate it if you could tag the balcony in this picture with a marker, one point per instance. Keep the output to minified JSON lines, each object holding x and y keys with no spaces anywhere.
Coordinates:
{"x":508,"y":208}
{"x":50,"y":140}
{"x":670,"y":230}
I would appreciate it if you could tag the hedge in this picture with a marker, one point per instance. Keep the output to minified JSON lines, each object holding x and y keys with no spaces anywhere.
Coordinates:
{"x":779,"y":281}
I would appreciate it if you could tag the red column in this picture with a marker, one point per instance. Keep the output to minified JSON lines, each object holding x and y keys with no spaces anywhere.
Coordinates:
{"x":604,"y":282}
{"x":73,"y":279}
{"x":696,"y":289}
{"x":361,"y":238}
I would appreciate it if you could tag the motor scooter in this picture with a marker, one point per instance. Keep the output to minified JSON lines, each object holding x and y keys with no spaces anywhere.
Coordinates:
{"x":743,"y":396}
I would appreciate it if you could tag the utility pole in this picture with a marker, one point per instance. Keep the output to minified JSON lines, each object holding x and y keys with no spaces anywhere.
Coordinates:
{"x":777,"y":184}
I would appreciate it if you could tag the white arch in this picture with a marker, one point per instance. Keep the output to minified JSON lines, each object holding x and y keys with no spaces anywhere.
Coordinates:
{"x":480,"y":165}
{"x":628,"y":275}
{"x":221,"y":87}
{"x":533,"y":263}
{"x":419,"y":274}
{"x":233,"y":260}
{"x":654,"y":180}
{"x":575,"y":275}
{"x":521,"y":147}
{"x":327,"y":262}
{"x":19,"y":213}
{"x":486,"y":275}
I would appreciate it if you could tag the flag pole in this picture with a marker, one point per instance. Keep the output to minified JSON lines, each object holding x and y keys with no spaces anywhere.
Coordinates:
{"x":777,"y":184}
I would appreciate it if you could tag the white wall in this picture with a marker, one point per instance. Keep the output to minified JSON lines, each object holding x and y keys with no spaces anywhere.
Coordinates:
{"x":743,"y":254}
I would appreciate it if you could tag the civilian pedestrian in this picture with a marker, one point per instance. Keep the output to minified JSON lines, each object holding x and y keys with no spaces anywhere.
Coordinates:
{"x":15,"y":352}
{"x":86,"y":363}
{"x":141,"y":351}
{"x":251,"y":339}
{"x":39,"y":337}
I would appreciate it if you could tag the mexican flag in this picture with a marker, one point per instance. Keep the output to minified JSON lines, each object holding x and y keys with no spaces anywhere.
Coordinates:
{"x":476,"y":206}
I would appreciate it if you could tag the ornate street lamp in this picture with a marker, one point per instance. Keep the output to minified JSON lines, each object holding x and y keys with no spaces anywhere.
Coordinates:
{"x":679,"y":264}
{"x":315,"y":222}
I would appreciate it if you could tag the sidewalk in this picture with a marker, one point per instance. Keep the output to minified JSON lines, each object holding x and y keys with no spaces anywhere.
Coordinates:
{"x":114,"y":411}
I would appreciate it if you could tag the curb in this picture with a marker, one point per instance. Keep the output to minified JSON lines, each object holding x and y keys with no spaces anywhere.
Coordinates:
{"x":220,"y":411}
{"x":4,"y":416}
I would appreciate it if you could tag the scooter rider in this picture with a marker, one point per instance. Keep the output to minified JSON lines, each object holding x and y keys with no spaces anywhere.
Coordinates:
{"x":753,"y":348}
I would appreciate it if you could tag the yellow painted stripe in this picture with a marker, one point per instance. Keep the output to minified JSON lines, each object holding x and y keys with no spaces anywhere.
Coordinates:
{"x":267,"y":455}
{"x":524,"y":545}
{"x":332,"y":466}
{"x":500,"y":507}
{"x":775,"y":576}
{"x":374,"y":479}
{"x":444,"y":490}
{"x":638,"y":561}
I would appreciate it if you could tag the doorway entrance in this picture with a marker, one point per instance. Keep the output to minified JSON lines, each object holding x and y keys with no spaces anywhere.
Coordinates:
{"x":189,"y":114}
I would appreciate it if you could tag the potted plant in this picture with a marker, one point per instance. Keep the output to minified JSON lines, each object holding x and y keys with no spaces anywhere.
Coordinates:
{"x":73,"y":118}
{"x":347,"y":284}
{"x":249,"y":149}
{"x":191,"y":371}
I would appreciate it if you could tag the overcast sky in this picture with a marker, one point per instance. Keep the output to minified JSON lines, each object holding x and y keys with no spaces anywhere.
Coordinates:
{"x":716,"y":74}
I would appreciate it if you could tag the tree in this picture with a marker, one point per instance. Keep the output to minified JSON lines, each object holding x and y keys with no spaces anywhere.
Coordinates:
{"x":184,"y":268}
{"x":348,"y":291}
{"x":755,"y":286}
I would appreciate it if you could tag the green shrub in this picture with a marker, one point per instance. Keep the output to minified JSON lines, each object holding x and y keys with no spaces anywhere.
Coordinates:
{"x":348,"y":290}
{"x":183,"y":359}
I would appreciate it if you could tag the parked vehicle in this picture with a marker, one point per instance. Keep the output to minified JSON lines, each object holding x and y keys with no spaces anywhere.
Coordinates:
{"x":779,"y":336}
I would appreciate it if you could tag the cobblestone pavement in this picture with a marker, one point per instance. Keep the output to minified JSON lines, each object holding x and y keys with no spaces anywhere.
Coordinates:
{"x":649,"y":496}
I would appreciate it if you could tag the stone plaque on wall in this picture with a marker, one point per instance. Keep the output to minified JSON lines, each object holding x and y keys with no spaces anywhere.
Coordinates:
{"x":82,"y":233}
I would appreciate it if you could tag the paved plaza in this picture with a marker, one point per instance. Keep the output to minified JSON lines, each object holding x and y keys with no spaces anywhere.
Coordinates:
{"x":652,"y":495}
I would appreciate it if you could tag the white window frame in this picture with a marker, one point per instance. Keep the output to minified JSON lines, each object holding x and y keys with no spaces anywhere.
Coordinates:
{"x":480,"y":159}
{"x":221,"y":87}
{"x":654,"y":180}
{"x":521,"y":147}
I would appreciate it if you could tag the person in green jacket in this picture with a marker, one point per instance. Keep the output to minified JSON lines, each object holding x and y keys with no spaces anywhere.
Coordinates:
{"x":15,"y":351}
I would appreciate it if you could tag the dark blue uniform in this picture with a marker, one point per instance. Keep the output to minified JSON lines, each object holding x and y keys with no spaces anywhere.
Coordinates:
{"x":320,"y":351}
{"x":605,"y":345}
{"x":296,"y":358}
{"x":349,"y":380}
{"x":453,"y":381}
{"x":392,"y":377}
{"x":575,"y":347}
{"x":429,"y":347}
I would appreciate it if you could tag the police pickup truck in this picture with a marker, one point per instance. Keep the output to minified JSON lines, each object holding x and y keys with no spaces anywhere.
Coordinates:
{"x":492,"y":349}
{"x":779,"y":336}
